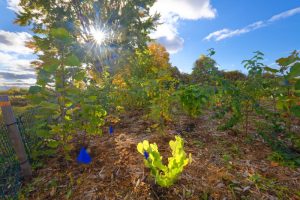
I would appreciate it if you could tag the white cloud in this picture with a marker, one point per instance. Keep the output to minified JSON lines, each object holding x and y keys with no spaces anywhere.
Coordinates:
{"x":228,"y":33}
{"x":15,"y":71}
{"x":15,"y":58}
{"x":15,"y":63}
{"x":185,"y":9}
{"x":171,"y":12}
{"x":173,"y":44}
{"x":217,"y":34}
{"x":14,"y":5}
{"x":14,"y":42}
{"x":285,"y":14}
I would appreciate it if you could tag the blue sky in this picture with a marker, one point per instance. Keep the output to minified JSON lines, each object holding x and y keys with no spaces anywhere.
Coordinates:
{"x":234,"y":28}
{"x":277,"y":39}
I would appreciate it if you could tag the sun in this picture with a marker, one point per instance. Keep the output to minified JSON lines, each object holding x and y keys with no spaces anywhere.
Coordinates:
{"x":99,"y":36}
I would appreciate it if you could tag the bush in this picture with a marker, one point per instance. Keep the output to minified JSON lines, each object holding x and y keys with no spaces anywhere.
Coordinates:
{"x":165,"y":176}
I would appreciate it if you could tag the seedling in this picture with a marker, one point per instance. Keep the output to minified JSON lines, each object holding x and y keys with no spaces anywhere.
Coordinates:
{"x":165,"y":176}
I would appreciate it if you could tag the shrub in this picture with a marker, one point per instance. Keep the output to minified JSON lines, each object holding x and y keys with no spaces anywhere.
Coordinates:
{"x":193,"y":99}
{"x":165,"y":176}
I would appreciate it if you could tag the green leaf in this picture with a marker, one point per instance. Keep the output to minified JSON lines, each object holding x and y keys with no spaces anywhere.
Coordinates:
{"x":50,"y":106}
{"x":68,"y":147}
{"x":72,"y":60}
{"x":297,"y":85}
{"x":269,"y":69}
{"x":165,"y":176}
{"x":295,"y":70}
{"x":51,"y":66}
{"x":286,"y":61}
{"x":79,"y":76}
{"x":43,"y":133}
{"x":92,"y":98}
{"x":146,"y":144}
{"x":69,"y":104}
{"x":296,"y":110}
{"x":53,"y":144}
{"x":43,"y":77}
{"x":140,"y":148}
{"x":69,"y":193}
{"x":36,"y":99}
{"x":46,"y":152}
{"x":68,"y":118}
{"x":35,"y":89}
{"x":60,"y":33}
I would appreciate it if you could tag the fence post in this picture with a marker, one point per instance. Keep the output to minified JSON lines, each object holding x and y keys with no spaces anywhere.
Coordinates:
{"x":14,"y":136}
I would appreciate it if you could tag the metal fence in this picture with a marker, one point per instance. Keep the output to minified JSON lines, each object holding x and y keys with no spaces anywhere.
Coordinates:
{"x":10,"y":179}
{"x":26,"y":124}
{"x":9,"y":167}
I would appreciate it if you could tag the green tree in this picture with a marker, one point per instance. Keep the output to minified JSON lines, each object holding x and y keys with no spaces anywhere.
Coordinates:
{"x":204,"y":70}
{"x":123,"y":25}
{"x":234,"y":76}
{"x":288,"y":100}
{"x":182,"y":77}
{"x":74,"y":41}
{"x":146,"y":83}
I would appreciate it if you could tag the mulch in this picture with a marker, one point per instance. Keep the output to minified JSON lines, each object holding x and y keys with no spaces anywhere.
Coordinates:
{"x":225,"y":166}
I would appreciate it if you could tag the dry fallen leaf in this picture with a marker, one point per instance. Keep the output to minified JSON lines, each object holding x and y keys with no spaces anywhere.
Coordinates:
{"x":274,"y":164}
{"x":52,"y":192}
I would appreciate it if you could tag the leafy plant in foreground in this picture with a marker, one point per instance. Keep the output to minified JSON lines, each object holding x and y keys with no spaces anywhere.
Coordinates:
{"x":165,"y":176}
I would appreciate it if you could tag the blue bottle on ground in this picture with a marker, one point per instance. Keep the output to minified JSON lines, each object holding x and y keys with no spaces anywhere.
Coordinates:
{"x":111,"y":130}
{"x":84,"y":157}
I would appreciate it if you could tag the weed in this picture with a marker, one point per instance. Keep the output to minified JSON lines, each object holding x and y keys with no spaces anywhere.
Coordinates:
{"x":270,"y":185}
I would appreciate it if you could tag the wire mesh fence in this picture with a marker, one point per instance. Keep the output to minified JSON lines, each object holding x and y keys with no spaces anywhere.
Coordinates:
{"x":26,"y":124}
{"x":9,"y":167}
{"x":10,"y":179}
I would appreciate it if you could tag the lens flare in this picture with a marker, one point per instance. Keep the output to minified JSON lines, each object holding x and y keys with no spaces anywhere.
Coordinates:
{"x":99,"y":36}
{"x":101,"y":41}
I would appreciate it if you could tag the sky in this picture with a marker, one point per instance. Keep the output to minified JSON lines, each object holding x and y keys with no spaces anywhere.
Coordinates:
{"x":234,"y":28}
